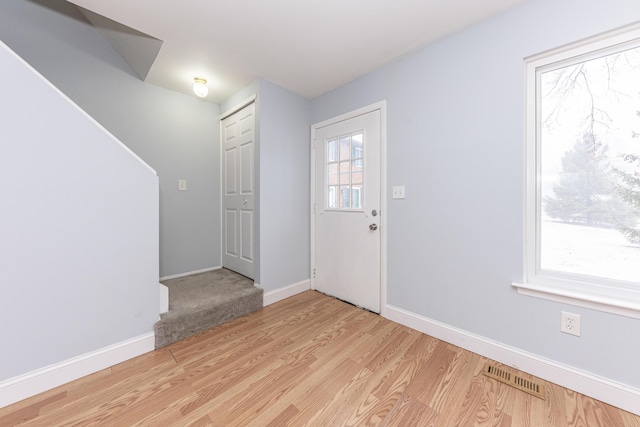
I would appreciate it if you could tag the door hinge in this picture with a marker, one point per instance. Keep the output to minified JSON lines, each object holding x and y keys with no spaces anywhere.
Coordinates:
{"x":314,"y":273}
{"x":314,"y":208}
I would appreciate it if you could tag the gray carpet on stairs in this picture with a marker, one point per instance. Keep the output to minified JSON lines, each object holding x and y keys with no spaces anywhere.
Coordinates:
{"x":202,"y":301}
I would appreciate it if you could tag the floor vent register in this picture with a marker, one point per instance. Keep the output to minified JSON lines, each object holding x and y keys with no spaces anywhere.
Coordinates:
{"x":529,"y":386}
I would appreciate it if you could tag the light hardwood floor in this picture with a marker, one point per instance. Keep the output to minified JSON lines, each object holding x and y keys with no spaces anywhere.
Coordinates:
{"x":307,"y":360}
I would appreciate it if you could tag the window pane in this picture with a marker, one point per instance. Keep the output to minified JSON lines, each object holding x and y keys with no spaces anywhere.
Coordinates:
{"x":356,"y":197}
{"x":356,"y":146}
{"x":356,"y":172}
{"x":345,"y":200}
{"x":332,"y":199}
{"x":344,"y":173}
{"x":332,"y":150}
{"x":590,"y":168}
{"x":345,"y":148}
{"x":332,"y":173}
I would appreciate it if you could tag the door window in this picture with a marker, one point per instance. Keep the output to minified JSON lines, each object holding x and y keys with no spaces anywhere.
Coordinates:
{"x":345,"y":172}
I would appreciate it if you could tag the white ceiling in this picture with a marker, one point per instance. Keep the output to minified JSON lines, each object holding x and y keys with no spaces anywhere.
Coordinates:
{"x":307,"y":46}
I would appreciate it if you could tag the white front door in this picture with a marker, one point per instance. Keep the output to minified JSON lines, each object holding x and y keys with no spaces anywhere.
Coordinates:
{"x":346,"y":261}
{"x":238,"y":141}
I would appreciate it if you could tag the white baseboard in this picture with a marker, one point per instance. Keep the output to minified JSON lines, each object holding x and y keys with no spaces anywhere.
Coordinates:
{"x":285,"y":292}
{"x":40,"y":380}
{"x":189,"y":273}
{"x":605,"y":390}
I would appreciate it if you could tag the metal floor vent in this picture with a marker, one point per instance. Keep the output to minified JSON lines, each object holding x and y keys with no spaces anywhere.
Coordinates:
{"x":528,"y":386}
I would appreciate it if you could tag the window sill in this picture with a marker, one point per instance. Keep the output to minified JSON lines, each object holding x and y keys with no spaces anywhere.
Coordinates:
{"x":623,"y":302}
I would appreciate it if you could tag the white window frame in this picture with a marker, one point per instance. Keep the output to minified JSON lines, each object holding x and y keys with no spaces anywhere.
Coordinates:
{"x":338,"y":186}
{"x":611,"y":296}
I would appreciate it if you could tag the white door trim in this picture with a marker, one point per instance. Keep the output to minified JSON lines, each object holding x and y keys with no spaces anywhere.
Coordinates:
{"x":238,"y":107}
{"x":382,"y":107}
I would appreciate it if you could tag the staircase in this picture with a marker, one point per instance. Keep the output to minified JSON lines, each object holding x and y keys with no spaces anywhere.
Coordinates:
{"x":202,"y":301}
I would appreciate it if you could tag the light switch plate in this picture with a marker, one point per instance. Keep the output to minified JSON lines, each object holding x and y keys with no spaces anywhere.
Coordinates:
{"x":182,"y":185}
{"x":398,"y":192}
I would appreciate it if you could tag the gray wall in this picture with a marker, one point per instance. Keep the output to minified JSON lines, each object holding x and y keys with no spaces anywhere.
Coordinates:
{"x":455,"y":139}
{"x":284,"y":187}
{"x":178,"y":135}
{"x":79,"y":246}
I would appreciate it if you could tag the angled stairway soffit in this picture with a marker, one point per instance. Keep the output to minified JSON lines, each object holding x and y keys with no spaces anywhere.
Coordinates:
{"x":138,"y":49}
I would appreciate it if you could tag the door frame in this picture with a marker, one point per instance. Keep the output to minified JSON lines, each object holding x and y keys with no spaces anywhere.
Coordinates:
{"x":253,"y":99}
{"x":382,"y":107}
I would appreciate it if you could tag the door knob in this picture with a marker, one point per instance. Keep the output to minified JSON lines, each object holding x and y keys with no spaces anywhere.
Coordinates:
{"x":373,"y":227}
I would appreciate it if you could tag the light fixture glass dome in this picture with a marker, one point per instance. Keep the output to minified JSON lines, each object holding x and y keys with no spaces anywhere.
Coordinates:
{"x":200,"y":87}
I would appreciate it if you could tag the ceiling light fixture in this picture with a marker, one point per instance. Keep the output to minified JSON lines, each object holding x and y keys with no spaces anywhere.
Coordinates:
{"x":200,"y":87}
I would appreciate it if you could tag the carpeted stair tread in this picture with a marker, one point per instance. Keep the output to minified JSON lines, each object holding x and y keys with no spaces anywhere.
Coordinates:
{"x":202,"y":301}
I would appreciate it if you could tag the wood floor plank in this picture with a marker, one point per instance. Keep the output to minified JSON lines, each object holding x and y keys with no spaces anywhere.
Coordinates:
{"x":340,"y":405}
{"x":410,"y":412}
{"x":314,"y":396}
{"x":307,"y":360}
{"x":478,"y":401}
{"x":313,"y":392}
{"x":397,"y":379}
{"x":423,"y":347}
{"x":585,"y":411}
{"x":29,"y":412}
{"x":53,"y":399}
{"x":204,"y":421}
{"x":432,"y":370}
{"x":243,"y":353}
{"x":398,"y":342}
{"x":282,"y":418}
{"x":211,"y":397}
{"x":555,"y":408}
{"x":314,"y":339}
{"x":390,"y":371}
{"x":240,"y":410}
{"x":137,"y":402}
{"x":507,"y":400}
{"x":370,"y":342}
{"x":103,"y":391}
{"x":367,"y":406}
{"x":352,"y":330}
{"x":455,"y":383}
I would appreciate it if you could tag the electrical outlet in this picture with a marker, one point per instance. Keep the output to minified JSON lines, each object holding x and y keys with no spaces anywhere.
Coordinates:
{"x":570,"y":323}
